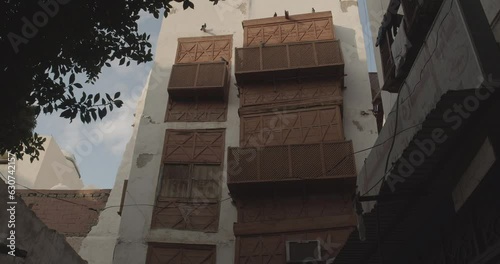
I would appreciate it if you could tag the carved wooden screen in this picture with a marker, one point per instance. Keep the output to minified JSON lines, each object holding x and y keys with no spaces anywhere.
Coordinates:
{"x":196,"y":110}
{"x":180,"y":254}
{"x":271,"y":248}
{"x":191,"y":182}
{"x":291,"y":92}
{"x":278,"y":30}
{"x":314,"y":125}
{"x":204,"y":49}
{"x":186,"y":215}
{"x":194,"y":146}
{"x":291,"y":206}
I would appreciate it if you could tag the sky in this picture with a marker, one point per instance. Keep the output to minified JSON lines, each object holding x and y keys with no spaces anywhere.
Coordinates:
{"x":99,"y":146}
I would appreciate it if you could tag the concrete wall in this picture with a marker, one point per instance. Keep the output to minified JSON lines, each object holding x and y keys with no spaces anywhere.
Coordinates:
{"x":43,"y":245}
{"x":52,"y":169}
{"x":222,"y":19}
{"x":99,"y":245}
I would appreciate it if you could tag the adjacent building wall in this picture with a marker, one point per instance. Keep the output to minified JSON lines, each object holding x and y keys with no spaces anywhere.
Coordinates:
{"x":43,"y":245}
{"x":99,"y":245}
{"x":52,"y":169}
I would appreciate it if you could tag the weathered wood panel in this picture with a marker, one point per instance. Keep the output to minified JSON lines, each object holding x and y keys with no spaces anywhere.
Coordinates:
{"x":196,"y":110}
{"x":292,"y":127}
{"x":181,"y":254}
{"x":194,"y":146}
{"x":186,"y":215}
{"x":204,"y":49}
{"x":284,"y":92}
{"x":262,"y":209}
{"x":271,"y":249}
{"x":278,"y":30}
{"x":194,"y":181}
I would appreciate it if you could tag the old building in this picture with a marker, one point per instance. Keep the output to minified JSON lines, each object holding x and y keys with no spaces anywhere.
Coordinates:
{"x":246,"y":142}
{"x":54,"y":169}
{"x":428,"y":192}
{"x":25,"y":238}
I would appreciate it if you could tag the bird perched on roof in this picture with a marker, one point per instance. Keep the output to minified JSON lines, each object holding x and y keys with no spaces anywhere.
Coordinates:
{"x":287,"y":15}
{"x":314,"y":11}
{"x":203,"y":27}
{"x":275,"y":15}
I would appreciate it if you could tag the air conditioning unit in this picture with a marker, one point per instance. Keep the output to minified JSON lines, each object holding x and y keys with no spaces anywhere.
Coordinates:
{"x":304,"y":251}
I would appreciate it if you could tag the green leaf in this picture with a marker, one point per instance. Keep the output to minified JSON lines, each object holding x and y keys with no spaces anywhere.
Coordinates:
{"x":109,"y":97}
{"x":118,"y":103}
{"x":94,"y":115}
{"x":122,"y":61}
{"x":102,"y":112}
{"x":77,"y":85}
{"x":72,"y":78}
{"x":107,"y":64}
{"x":117,"y":94}
{"x":96,"y":98}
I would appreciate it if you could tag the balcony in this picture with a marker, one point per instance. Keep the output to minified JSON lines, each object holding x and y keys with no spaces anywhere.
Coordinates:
{"x":209,"y":79}
{"x":316,"y":58}
{"x":418,"y":20}
{"x":290,"y":163}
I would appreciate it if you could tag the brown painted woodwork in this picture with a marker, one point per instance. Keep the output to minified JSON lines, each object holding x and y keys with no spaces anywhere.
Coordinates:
{"x":334,"y":201}
{"x":163,"y":253}
{"x":294,"y":225}
{"x":122,"y":200}
{"x":290,"y":163}
{"x":196,"y":109}
{"x":200,"y":215}
{"x":204,"y":49}
{"x":209,"y":79}
{"x":194,"y":181}
{"x":278,"y":30}
{"x":271,"y":248}
{"x":293,"y":91}
{"x":319,"y":58}
{"x":194,"y":146}
{"x":312,"y":125}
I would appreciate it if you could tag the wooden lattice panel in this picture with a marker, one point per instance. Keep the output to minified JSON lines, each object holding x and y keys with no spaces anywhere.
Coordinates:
{"x":292,"y":127}
{"x":181,"y":254}
{"x":271,"y":249}
{"x":278,"y":30}
{"x":204,"y":49}
{"x":197,"y":216}
{"x":194,"y":146}
{"x":196,"y":110}
{"x":312,"y":162}
{"x":259,"y":209}
{"x":291,"y":91}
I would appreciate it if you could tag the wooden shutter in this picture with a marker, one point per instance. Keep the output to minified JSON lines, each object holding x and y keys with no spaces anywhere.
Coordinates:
{"x":175,"y":181}
{"x":204,"y":49}
{"x":205,"y":181}
{"x":194,"y":146}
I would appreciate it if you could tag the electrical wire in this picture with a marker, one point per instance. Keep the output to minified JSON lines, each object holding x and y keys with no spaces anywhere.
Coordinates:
{"x":94,"y":209}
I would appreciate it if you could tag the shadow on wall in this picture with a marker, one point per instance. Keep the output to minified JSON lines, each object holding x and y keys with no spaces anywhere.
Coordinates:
{"x":347,"y":38}
{"x":345,"y":4}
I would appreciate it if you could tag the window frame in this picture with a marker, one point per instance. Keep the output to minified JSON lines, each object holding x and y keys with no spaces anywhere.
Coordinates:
{"x":164,"y":184}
